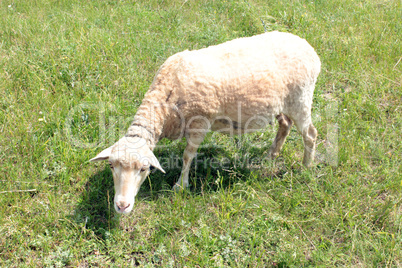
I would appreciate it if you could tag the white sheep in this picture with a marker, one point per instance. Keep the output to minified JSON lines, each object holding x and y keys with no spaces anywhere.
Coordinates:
{"x":235,"y":87}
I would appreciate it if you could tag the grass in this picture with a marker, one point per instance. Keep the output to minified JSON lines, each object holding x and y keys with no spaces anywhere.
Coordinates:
{"x":73,"y":74}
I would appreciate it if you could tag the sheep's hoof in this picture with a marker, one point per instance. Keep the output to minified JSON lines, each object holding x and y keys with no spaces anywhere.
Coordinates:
{"x":179,"y":188}
{"x":273,"y":155}
{"x":307,"y":163}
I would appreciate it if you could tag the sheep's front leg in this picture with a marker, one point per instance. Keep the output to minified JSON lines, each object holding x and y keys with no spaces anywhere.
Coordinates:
{"x":193,"y":142}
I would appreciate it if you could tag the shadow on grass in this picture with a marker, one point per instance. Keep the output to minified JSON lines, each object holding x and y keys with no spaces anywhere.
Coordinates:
{"x":96,"y":206}
{"x":227,"y":165}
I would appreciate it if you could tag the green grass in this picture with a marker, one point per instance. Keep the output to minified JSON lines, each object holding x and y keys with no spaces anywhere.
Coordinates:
{"x":73,"y":74}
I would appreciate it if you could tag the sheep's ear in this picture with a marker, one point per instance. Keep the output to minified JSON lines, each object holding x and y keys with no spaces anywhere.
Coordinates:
{"x":153,"y":161}
{"x":104,"y":155}
{"x":155,"y":164}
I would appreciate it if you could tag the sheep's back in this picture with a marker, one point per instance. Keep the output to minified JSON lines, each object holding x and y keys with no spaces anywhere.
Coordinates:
{"x":259,"y":71}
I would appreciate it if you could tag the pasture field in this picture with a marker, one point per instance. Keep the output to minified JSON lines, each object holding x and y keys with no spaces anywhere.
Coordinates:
{"x":73,"y":73}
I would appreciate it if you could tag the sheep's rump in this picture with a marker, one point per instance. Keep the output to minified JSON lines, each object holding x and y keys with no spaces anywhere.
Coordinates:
{"x":260,"y":75}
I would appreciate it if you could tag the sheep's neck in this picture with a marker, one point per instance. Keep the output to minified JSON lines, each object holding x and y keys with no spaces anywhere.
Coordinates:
{"x":148,"y":123}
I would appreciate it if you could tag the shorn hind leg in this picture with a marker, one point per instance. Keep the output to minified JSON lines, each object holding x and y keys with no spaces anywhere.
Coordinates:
{"x":309,"y":133}
{"x":309,"y":138}
{"x":285,"y":123}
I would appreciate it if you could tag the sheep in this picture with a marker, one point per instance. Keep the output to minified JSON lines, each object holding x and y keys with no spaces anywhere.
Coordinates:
{"x":235,"y":87}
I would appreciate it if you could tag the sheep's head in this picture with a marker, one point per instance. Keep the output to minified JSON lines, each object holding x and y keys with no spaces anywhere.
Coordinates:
{"x":130,"y":160}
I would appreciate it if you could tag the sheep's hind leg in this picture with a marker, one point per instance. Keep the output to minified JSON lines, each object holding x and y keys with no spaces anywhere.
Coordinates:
{"x":193,"y":142}
{"x":309,"y":138}
{"x":309,"y":133}
{"x":285,"y":123}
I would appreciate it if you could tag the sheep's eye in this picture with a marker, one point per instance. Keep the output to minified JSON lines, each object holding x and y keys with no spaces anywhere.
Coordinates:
{"x":111,"y":165}
{"x":144,"y":169}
